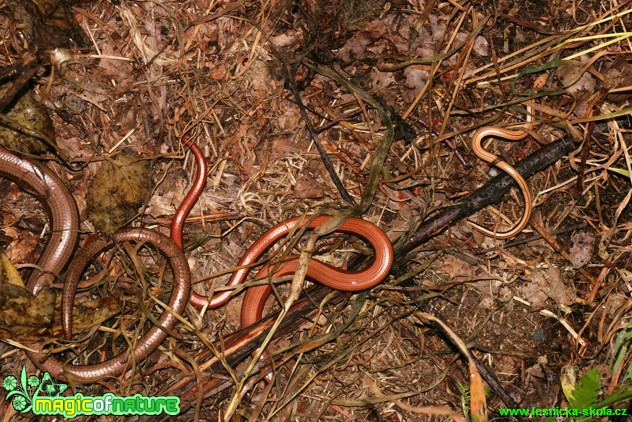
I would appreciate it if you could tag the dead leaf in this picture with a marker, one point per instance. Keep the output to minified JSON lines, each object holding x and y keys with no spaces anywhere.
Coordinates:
{"x":11,"y":274}
{"x":307,"y":187}
{"x":456,"y":268}
{"x":582,"y":250}
{"x":548,"y":283}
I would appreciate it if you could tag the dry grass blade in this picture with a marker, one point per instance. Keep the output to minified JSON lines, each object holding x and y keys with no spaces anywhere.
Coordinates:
{"x":478,"y":402}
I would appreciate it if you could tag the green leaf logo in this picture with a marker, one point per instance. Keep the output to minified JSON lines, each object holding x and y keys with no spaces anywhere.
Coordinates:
{"x":22,"y":393}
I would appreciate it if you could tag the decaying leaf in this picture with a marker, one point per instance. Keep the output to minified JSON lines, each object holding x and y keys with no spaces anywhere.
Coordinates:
{"x":117,"y":190}
{"x":26,"y":114}
{"x":20,"y":309}
{"x":27,"y":318}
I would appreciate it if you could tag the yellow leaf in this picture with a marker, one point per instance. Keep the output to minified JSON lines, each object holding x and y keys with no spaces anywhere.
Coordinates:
{"x":12,"y":274}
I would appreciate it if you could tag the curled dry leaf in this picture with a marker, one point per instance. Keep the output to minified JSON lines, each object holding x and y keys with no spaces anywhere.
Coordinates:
{"x":21,"y":312}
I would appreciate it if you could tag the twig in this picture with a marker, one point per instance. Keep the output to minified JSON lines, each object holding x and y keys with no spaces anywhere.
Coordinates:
{"x":492,"y":192}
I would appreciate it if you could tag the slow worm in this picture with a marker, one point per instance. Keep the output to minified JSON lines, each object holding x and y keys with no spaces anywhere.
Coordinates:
{"x":47,"y":188}
{"x":330,"y":276}
{"x":488,"y":157}
{"x":60,"y":206}
{"x":322,"y":273}
{"x":333,"y":277}
{"x":150,"y":340}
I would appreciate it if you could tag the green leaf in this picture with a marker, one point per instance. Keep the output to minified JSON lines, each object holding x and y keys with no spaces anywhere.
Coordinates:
{"x":622,"y":172}
{"x":586,"y":390}
{"x":23,"y":379}
{"x":627,"y":378}
{"x":620,"y":349}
